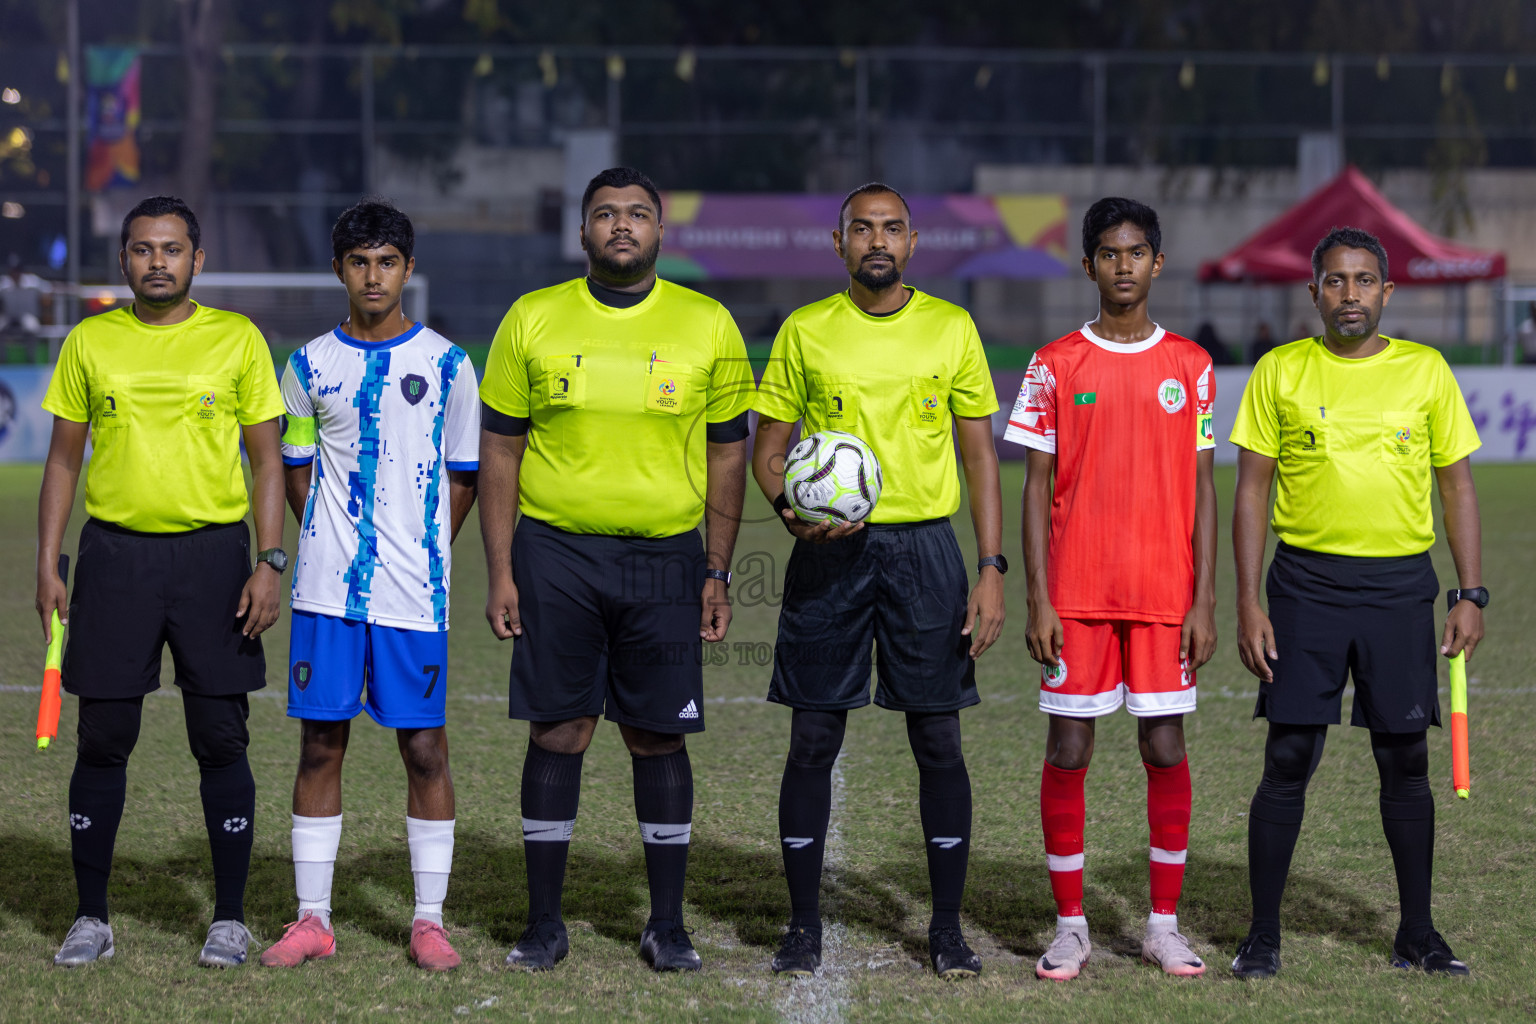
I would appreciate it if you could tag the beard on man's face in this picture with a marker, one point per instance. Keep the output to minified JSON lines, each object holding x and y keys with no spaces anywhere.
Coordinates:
{"x":161,"y":289}
{"x":623,"y":269}
{"x":877,"y":275}
{"x":1361,"y":328}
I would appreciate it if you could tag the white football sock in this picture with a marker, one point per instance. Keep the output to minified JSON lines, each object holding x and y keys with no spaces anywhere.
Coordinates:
{"x":315,"y":841}
{"x":431,"y":861}
{"x":1162,"y":923}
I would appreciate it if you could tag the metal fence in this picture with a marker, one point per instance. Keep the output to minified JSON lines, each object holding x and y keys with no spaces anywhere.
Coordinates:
{"x":302,"y":130}
{"x":299,"y":123}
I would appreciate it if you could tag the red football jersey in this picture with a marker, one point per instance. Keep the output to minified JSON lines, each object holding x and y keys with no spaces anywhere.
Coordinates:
{"x":1124,"y":422}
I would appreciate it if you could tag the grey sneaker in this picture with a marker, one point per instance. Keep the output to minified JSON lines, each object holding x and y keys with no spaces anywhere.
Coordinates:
{"x":89,"y":939}
{"x":226,"y":945}
{"x":1171,"y":952}
{"x":1065,"y":956}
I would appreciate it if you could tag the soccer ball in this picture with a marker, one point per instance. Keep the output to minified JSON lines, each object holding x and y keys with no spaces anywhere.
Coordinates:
{"x":832,"y":476}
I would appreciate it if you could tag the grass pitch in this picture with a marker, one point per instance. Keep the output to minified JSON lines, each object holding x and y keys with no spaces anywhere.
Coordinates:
{"x":1339,"y":914}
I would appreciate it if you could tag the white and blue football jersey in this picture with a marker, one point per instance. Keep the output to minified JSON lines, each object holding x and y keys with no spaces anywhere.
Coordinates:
{"x":388,"y":419}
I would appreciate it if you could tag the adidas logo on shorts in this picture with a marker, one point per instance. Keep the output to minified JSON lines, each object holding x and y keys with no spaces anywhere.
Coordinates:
{"x":691,"y":711}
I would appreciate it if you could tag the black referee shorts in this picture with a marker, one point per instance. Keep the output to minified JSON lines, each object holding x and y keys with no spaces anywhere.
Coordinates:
{"x":1337,"y":616}
{"x":902,"y":586}
{"x":136,"y":592}
{"x":610,"y":627}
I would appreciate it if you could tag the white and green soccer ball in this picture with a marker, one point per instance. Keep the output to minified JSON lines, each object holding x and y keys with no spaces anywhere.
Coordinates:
{"x":834,"y":476}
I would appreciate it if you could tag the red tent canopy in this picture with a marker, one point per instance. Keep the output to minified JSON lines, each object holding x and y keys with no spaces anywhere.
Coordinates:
{"x":1281,"y":251}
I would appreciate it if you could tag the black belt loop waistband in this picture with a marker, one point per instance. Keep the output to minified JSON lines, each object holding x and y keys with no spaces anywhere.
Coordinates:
{"x":1363,"y":561}
{"x":914,"y":525}
{"x":111,"y":527}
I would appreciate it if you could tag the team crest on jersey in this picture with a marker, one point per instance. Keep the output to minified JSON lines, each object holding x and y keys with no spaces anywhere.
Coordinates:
{"x":301,"y":675}
{"x":1171,"y":395}
{"x":1054,"y":675}
{"x":414,"y":387}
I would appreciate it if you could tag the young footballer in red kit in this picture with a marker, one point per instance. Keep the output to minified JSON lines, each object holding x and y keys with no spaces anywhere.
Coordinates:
{"x":1120,"y":552}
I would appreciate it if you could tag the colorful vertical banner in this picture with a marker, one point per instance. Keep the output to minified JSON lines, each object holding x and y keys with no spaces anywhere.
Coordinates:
{"x":112,"y":117}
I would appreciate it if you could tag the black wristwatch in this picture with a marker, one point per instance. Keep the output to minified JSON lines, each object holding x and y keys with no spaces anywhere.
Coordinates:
{"x":1477,"y":595}
{"x":723,"y":575}
{"x":996,"y":561}
{"x":277,"y":558}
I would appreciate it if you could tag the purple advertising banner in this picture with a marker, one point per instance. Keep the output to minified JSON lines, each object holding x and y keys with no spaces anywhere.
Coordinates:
{"x":724,"y":236}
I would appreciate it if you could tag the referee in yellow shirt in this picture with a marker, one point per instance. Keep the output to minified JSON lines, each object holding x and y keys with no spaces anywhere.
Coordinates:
{"x":1358,"y":426}
{"x":906,"y":372}
{"x":614,"y":417}
{"x":166,"y":389}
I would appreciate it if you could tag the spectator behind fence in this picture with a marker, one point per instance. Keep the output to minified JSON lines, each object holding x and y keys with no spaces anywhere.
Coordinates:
{"x":1263,"y":341}
{"x":1528,"y":335}
{"x":21,"y":302}
{"x":1206,"y":338}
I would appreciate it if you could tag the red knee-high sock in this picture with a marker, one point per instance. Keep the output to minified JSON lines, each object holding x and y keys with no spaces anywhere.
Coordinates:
{"x":1062,"y":815}
{"x":1168,"y":802}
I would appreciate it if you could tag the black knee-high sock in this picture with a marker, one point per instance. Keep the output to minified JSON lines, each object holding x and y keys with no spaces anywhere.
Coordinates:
{"x":551,"y":793}
{"x":229,"y":813}
{"x":96,"y":797}
{"x":664,"y":805}
{"x":1291,"y":754}
{"x":217,"y":733}
{"x":106,"y":732}
{"x":805,"y":808}
{"x":1408,"y":819}
{"x":944,"y":803}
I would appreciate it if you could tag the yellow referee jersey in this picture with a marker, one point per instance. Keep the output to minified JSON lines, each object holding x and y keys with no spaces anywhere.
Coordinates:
{"x":896,"y":381}
{"x":165,"y":405}
{"x":618,"y":402}
{"x":1355,"y":441}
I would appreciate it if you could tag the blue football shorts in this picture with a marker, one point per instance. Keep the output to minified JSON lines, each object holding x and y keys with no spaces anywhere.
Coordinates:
{"x":338,"y":668}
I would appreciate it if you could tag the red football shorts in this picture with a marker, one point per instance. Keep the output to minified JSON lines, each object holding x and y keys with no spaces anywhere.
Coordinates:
{"x":1109,"y":662}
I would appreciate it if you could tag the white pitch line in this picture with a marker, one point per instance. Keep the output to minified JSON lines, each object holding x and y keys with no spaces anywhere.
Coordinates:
{"x":821,"y":999}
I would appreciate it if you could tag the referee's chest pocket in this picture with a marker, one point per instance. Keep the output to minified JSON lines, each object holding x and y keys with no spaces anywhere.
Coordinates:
{"x":670,"y":388}
{"x":1405,"y":438}
{"x":1303,"y":440}
{"x":209,"y":402}
{"x":562,"y":383}
{"x":111,"y":404}
{"x":929,"y":403}
{"x":837,"y":400}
